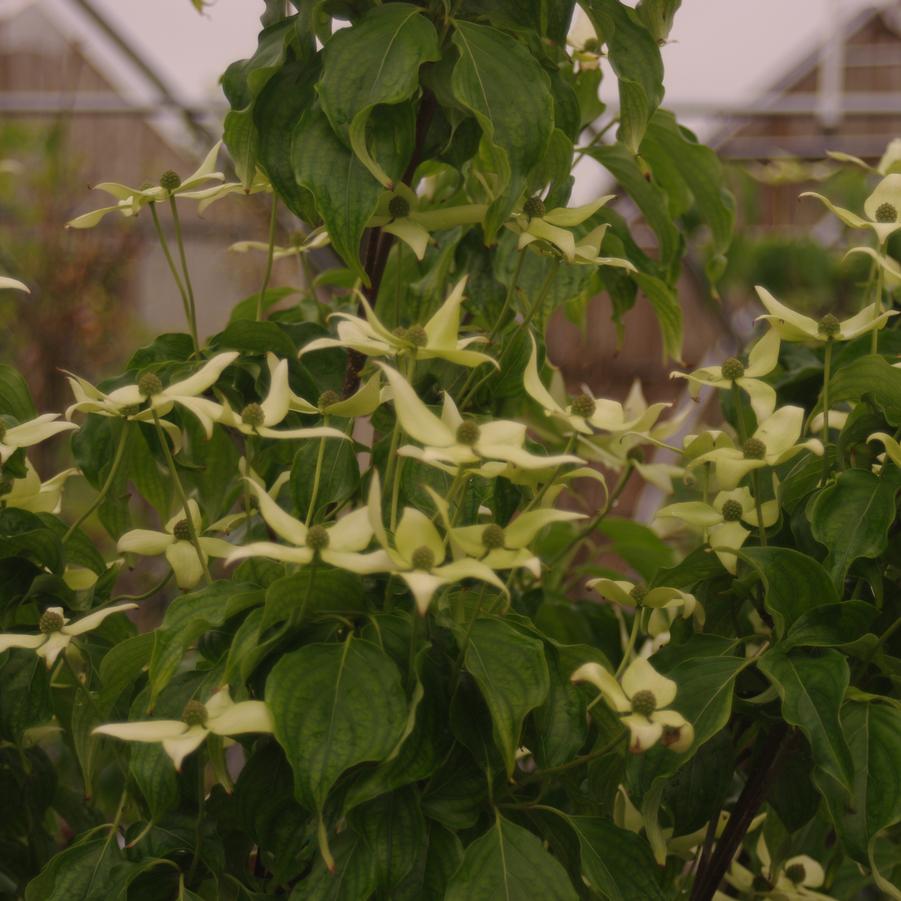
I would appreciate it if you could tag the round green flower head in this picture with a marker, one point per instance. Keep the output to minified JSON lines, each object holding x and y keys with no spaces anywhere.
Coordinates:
{"x":253,"y":415}
{"x":493,"y":537}
{"x":644,"y":703}
{"x":399,"y":207}
{"x":534,"y":208}
{"x":416,"y":336}
{"x":732,"y":369}
{"x":829,"y":326}
{"x":400,"y":332}
{"x":182,"y":530}
{"x":468,"y":433}
{"x":886,"y":212}
{"x":638,"y":593}
{"x":327,"y":398}
{"x":754,"y":449}
{"x":796,"y":873}
{"x":170,"y":180}
{"x":732,"y":511}
{"x":583,"y":405}
{"x":49,"y":622}
{"x":194,"y":714}
{"x":131,"y":409}
{"x":423,"y":558}
{"x":149,"y":384}
{"x":317,"y":538}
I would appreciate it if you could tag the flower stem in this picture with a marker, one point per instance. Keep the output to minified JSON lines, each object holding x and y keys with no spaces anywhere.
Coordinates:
{"x":183,"y":498}
{"x":273,"y":224}
{"x":576,"y":761}
{"x":633,"y":637}
{"x":317,"y":475}
{"x":539,"y":495}
{"x":189,"y":290}
{"x":164,"y":244}
{"x":107,"y":484}
{"x":827,"y":372}
{"x":874,"y":336}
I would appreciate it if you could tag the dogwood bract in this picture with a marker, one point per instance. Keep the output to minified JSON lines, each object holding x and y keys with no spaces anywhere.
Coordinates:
{"x":27,"y":434}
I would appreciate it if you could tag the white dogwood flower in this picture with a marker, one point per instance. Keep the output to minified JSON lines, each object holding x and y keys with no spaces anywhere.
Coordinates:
{"x":27,"y":434}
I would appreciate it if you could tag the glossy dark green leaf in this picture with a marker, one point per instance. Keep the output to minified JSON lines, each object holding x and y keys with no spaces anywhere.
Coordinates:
{"x":873,"y":732}
{"x":616,"y":863}
{"x":794,"y":583}
{"x":376,"y":61}
{"x":512,"y":674}
{"x":339,"y":477}
{"x":657,"y":16}
{"x":516,"y":125}
{"x":831,"y":625}
{"x":354,"y":877}
{"x":870,"y":377}
{"x":310,"y":592}
{"x":812,"y":689}
{"x":852,"y":517}
{"x":509,"y":863}
{"x":15,"y":398}
{"x":345,"y":192}
{"x":247,"y":308}
{"x":335,"y":706}
{"x":669,"y":314}
{"x":635,"y":58}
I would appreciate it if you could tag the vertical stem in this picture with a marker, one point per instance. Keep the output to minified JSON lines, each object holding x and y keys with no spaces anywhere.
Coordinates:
{"x":189,"y":290}
{"x":107,"y":484}
{"x":827,"y":372}
{"x":273,"y":224}
{"x":183,"y":498}
{"x":880,"y":276}
{"x":164,"y":244}
{"x":317,"y":475}
{"x":633,"y":637}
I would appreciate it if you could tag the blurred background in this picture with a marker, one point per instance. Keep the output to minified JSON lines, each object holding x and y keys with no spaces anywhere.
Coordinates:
{"x":122,"y":90}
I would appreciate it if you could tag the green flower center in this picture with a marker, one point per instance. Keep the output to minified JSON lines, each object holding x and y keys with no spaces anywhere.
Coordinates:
{"x":796,"y":873}
{"x":638,"y":593}
{"x":194,"y":714}
{"x":170,"y":180}
{"x":182,"y":530}
{"x":149,"y":384}
{"x":754,"y":449}
{"x":828,"y":326}
{"x":732,"y":369}
{"x":583,"y":405}
{"x":327,"y":398}
{"x":534,"y":208}
{"x":760,"y":884}
{"x":468,"y":433}
{"x":423,"y":558}
{"x":50,"y":622}
{"x":493,"y":537}
{"x":732,"y":511}
{"x":317,"y":538}
{"x":886,"y":212}
{"x":644,"y":703}
{"x":591,"y":45}
{"x":635,"y":454}
{"x":253,"y":415}
{"x":130,"y":409}
{"x":416,"y":336}
{"x":398,"y":207}
{"x":399,"y":332}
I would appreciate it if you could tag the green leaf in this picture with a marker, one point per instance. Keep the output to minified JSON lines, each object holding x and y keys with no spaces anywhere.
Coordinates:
{"x":187,"y":618}
{"x":394,"y":830}
{"x":516,"y":124}
{"x":311,"y":591}
{"x":444,"y":856}
{"x":334,"y":706}
{"x":794,"y":583}
{"x":831,"y":625}
{"x":666,"y":307}
{"x":256,"y":338}
{"x":122,"y":666}
{"x":870,"y":377}
{"x":339,"y":478}
{"x":146,"y":473}
{"x":852,"y":517}
{"x":559,"y":726}
{"x":345,"y":192}
{"x":657,"y":16}
{"x":511,"y":671}
{"x":699,"y":168}
{"x":81,"y":872}
{"x":24,"y":693}
{"x":276,"y":112}
{"x":616,"y":863}
{"x":15,"y":398}
{"x":637,"y":545}
{"x":509,"y":863}
{"x":873,"y":731}
{"x":247,"y":308}
{"x":812,"y":690}
{"x":375,"y":61}
{"x":354,"y":877}
{"x":635,"y":58}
